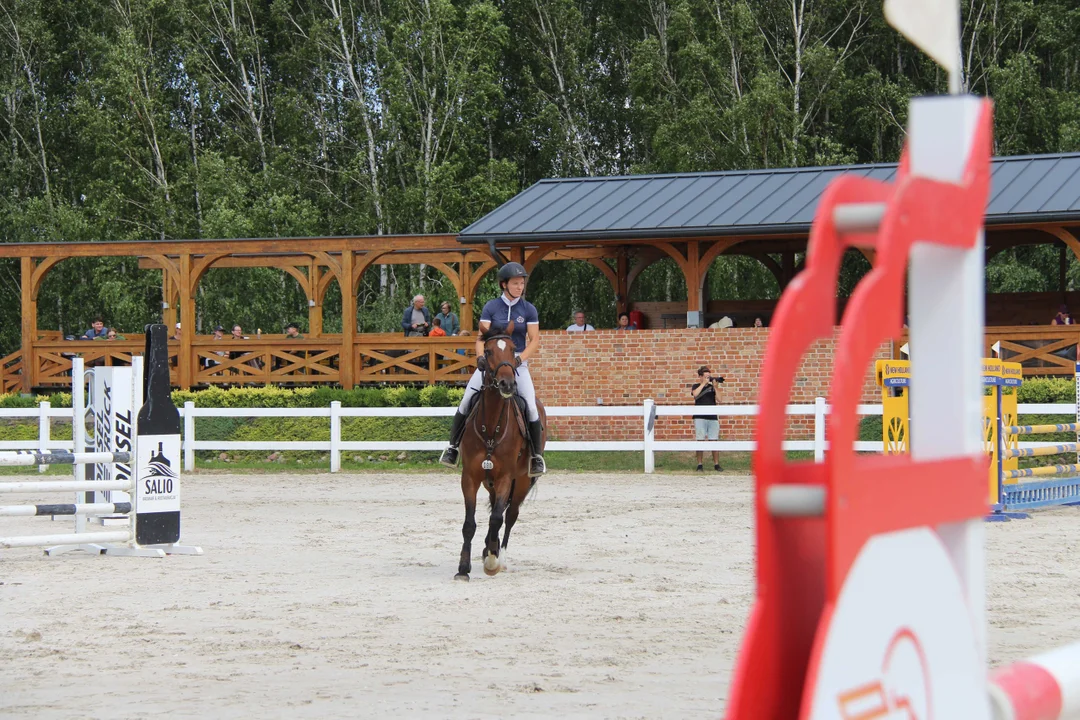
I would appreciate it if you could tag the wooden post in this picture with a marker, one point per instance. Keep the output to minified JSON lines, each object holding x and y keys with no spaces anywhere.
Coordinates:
{"x":315,"y":312}
{"x":465,"y":306}
{"x":29,"y":323}
{"x":348,"y":317}
{"x":693,"y":285}
{"x":184,"y":365}
{"x":168,"y":315}
{"x":622,"y":274}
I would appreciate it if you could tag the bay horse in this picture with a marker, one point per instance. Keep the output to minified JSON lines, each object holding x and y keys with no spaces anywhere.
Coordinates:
{"x":495,"y":452}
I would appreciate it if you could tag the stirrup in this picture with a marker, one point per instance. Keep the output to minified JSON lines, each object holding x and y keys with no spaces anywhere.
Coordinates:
{"x":449,"y":457}
{"x":537,"y":465}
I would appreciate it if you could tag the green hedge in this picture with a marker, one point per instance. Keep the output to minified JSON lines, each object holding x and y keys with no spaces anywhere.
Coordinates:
{"x":273,"y":397}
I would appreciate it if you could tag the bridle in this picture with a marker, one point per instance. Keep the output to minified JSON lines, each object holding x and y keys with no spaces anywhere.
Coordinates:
{"x":502,"y":423}
{"x":491,"y":373}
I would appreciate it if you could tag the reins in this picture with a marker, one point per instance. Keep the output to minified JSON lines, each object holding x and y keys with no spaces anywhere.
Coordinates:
{"x":502,"y":424}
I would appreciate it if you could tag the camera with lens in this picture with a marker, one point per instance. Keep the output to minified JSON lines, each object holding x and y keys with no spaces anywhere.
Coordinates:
{"x":717,"y":380}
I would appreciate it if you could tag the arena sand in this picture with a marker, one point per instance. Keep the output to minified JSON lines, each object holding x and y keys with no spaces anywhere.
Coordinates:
{"x":326,"y":596}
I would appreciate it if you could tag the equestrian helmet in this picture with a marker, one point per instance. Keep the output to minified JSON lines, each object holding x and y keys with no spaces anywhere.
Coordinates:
{"x":511,"y":270}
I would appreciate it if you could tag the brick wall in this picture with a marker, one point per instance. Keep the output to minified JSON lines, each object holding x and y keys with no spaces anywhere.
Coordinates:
{"x":625,"y":368}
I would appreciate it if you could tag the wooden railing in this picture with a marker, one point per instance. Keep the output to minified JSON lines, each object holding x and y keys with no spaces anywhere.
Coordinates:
{"x":1040,"y":349}
{"x":11,"y":370}
{"x":263,"y":360}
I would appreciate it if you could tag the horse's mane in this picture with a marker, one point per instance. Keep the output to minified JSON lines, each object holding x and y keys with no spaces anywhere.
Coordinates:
{"x":496,"y":330}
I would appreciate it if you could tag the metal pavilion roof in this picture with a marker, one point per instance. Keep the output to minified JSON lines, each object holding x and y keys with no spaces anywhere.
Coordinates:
{"x":1025,"y":189}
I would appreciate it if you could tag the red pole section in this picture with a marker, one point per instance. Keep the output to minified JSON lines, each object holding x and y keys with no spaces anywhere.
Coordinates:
{"x":1045,"y":687}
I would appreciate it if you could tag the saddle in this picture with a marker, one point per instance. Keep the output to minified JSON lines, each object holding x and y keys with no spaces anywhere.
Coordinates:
{"x":522,"y":412}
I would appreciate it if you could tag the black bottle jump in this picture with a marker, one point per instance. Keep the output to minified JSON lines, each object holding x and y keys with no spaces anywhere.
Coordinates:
{"x":157,"y":485}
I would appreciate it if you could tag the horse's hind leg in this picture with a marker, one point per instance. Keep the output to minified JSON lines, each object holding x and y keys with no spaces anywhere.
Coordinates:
{"x":468,"y":530}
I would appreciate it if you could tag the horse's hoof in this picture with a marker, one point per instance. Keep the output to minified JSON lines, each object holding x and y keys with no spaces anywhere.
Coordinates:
{"x":492,"y":566}
{"x":463,"y":577}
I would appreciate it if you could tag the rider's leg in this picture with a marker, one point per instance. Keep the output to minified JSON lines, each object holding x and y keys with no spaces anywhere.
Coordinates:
{"x":537,"y":466}
{"x":449,"y":456}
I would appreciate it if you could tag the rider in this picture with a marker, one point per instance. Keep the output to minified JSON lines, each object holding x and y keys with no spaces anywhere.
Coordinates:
{"x":511,"y":305}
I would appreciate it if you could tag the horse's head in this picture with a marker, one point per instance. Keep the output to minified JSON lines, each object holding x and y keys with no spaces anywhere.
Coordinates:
{"x":499,"y":355}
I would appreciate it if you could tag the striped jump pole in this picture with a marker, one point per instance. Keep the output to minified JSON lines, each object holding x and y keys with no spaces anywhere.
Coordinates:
{"x":61,"y":457}
{"x":1045,"y":687}
{"x":1048,"y":471}
{"x":1040,"y":451}
{"x":1039,"y":429}
{"x":65,"y":509}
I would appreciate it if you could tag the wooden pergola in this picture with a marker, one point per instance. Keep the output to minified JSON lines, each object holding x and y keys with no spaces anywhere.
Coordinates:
{"x":347,"y":358}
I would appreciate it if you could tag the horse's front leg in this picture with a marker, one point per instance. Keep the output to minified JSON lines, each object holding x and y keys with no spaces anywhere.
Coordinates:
{"x":468,"y":530}
{"x":492,"y":564}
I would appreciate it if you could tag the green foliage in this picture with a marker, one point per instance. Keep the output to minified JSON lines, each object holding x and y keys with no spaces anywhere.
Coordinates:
{"x":238,"y":119}
{"x":1047,"y":391}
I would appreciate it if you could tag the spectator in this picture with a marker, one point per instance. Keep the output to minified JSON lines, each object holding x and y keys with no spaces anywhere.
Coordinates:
{"x":437,"y":331}
{"x":448,"y":320}
{"x":113,"y":335}
{"x":97,"y":330}
{"x":292,"y":332}
{"x":417,"y":319}
{"x":624,"y":322}
{"x":463,"y":333}
{"x":706,"y":427}
{"x":724,"y":322}
{"x":176,"y":336}
{"x":758,"y":322}
{"x":219,"y":335}
{"x":579,"y":323}
{"x":1062,"y":317}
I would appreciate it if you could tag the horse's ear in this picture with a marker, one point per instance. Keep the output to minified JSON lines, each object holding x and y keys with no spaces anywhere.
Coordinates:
{"x":509,"y":328}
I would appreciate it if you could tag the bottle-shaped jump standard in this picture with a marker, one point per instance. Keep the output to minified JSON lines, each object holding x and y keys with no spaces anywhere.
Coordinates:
{"x":157,"y":519}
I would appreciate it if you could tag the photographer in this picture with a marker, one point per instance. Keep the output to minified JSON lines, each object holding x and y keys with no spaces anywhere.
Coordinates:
{"x":706,"y":427}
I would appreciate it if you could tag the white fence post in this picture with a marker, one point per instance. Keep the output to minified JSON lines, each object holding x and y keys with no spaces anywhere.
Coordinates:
{"x":819,"y":429}
{"x":650,"y":434}
{"x":335,"y":436}
{"x":44,"y":431}
{"x":189,"y":436}
{"x":78,"y":430}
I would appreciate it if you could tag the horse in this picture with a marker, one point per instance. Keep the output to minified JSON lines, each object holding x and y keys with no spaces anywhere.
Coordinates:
{"x":495,"y":452}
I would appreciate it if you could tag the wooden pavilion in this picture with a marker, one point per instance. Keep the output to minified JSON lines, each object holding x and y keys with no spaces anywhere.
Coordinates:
{"x":619,"y":225}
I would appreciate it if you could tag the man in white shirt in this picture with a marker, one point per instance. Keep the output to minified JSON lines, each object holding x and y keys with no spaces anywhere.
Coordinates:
{"x":579,"y":323}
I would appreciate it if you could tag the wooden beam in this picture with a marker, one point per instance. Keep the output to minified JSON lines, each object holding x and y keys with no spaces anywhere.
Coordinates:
{"x":41,"y":269}
{"x":646,"y":256}
{"x":348,"y":318}
{"x":536,"y":256}
{"x":187,"y":321}
{"x":610,"y":274}
{"x":175,"y":248}
{"x":622,"y":286}
{"x":694,"y":277}
{"x":29,"y":323}
{"x":315,"y":309}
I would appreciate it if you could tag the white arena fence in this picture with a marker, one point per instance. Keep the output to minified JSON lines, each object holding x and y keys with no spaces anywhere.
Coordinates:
{"x":648,"y":412}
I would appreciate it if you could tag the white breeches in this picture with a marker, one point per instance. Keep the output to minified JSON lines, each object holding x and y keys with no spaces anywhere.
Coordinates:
{"x":524,"y":388}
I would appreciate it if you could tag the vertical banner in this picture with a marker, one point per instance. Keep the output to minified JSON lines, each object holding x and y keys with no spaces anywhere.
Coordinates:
{"x":113,"y":406}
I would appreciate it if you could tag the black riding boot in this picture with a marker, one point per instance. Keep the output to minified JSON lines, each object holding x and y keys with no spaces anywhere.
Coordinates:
{"x":537,"y":466}
{"x":449,"y":456}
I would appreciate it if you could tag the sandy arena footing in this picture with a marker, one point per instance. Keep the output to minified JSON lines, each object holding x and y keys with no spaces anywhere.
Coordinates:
{"x":326,"y":596}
